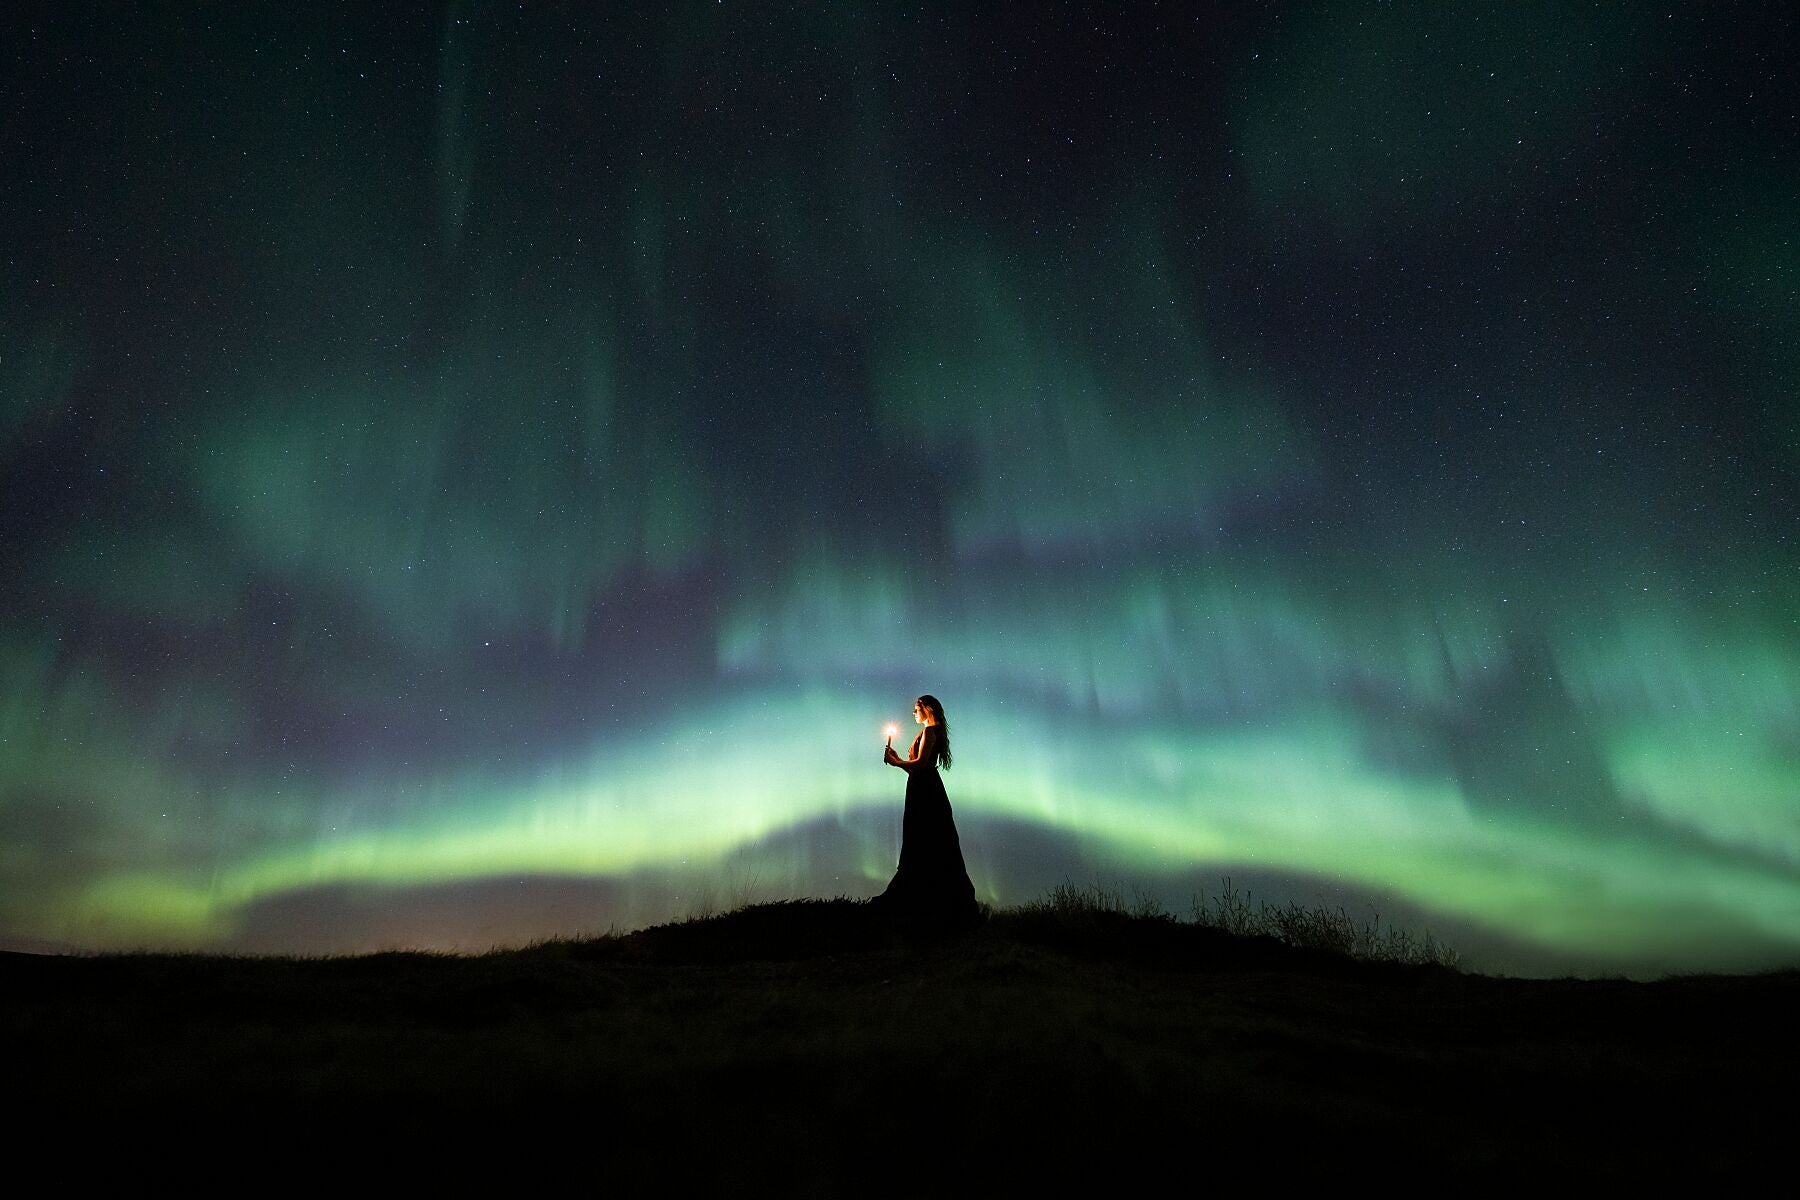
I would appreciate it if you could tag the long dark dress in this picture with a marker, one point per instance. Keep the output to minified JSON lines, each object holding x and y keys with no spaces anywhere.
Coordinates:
{"x":931,"y":884}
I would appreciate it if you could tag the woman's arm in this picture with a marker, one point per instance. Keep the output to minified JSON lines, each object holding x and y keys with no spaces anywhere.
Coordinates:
{"x":927,"y":752}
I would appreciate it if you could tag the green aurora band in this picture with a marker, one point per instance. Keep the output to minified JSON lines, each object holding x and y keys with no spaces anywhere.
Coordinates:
{"x":488,"y":453}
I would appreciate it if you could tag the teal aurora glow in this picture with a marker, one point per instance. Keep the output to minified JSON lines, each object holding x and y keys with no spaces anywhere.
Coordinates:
{"x":478,"y":475}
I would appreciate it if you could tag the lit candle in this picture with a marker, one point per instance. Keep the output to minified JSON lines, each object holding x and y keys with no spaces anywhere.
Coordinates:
{"x":891,"y":731}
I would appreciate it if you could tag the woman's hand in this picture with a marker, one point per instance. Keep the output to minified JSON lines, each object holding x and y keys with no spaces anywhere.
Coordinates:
{"x":888,"y":756}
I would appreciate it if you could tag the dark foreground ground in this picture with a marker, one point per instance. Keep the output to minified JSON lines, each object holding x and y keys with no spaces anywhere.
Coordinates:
{"x":801,"y":1049}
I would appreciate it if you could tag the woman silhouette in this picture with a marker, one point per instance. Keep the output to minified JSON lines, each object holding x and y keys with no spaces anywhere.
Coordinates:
{"x":931,"y":883}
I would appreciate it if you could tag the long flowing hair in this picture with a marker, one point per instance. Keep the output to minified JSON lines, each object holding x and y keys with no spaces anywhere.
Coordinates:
{"x":943,"y":742}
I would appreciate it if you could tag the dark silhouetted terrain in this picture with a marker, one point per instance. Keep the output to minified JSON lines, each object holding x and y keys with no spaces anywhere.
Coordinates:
{"x":804,"y":1048}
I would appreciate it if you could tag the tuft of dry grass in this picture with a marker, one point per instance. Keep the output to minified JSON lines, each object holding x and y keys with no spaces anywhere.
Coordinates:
{"x":1322,"y":927}
{"x":1233,"y":912}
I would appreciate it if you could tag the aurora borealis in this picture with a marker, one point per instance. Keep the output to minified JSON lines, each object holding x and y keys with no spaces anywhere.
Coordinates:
{"x":488,"y":472}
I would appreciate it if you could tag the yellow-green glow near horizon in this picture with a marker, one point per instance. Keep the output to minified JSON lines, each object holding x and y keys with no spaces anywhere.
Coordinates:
{"x":508,"y":488}
{"x":1269,"y":798}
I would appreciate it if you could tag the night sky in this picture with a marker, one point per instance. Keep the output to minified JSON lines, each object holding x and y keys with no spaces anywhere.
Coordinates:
{"x":477,"y":474}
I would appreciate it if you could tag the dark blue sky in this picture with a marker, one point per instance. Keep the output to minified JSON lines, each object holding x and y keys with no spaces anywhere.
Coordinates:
{"x":478,"y":472}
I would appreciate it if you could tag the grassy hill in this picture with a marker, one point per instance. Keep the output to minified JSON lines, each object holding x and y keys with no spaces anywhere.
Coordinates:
{"x":806,"y":1048}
